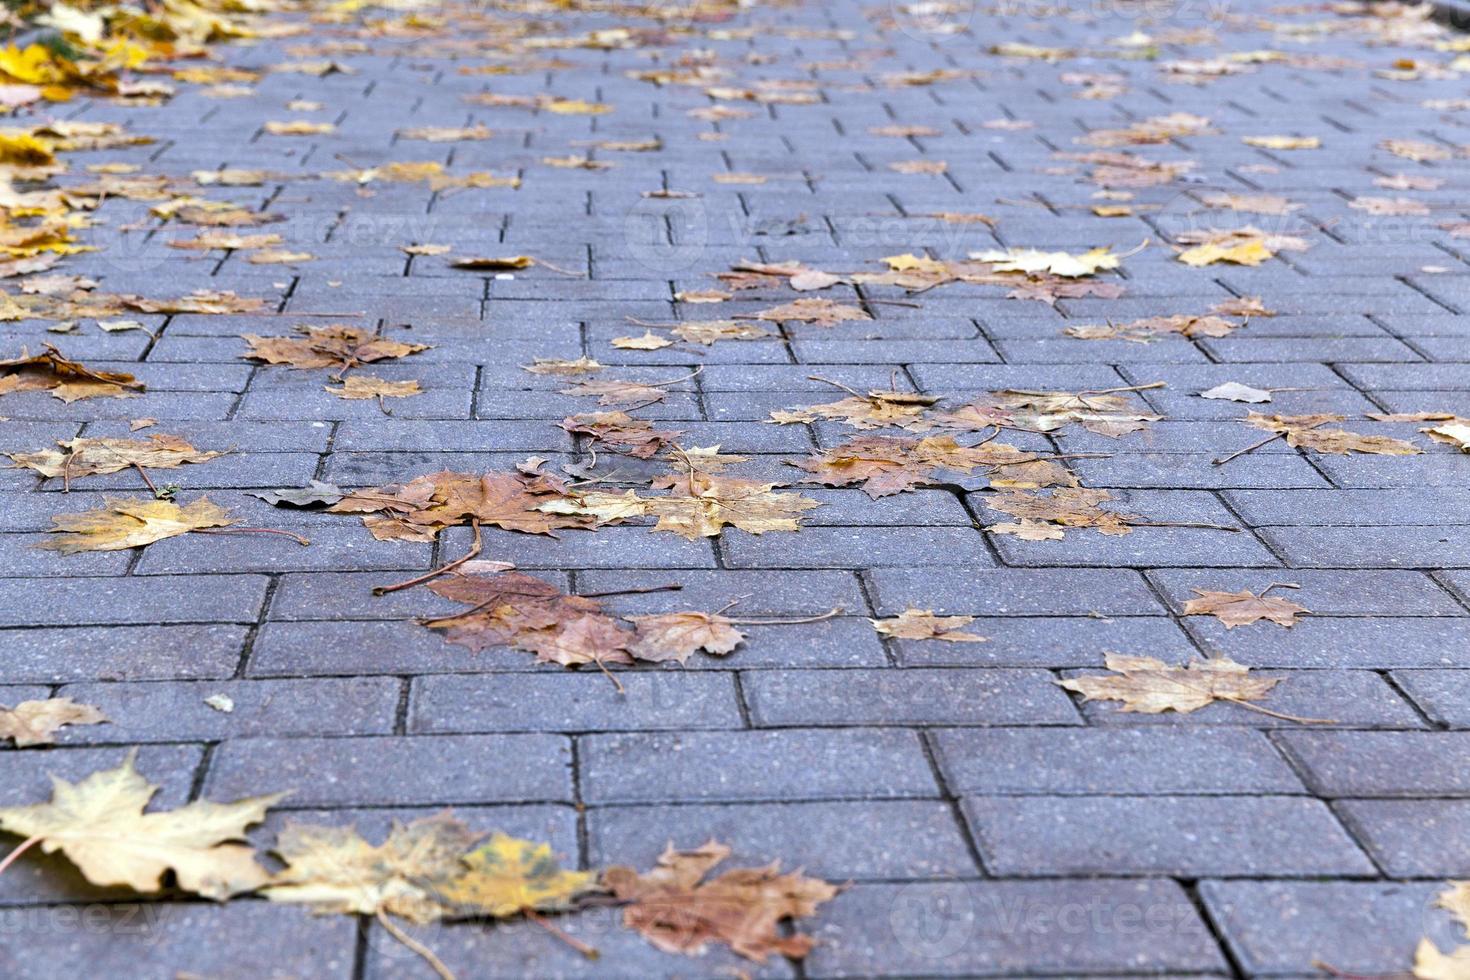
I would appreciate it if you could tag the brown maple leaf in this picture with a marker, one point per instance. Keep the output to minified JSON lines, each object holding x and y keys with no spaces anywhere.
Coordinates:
{"x":337,"y":346}
{"x":121,"y":524}
{"x":1243,"y":608}
{"x":64,"y":378}
{"x":1306,"y":432}
{"x":701,"y":505}
{"x":677,"y":635}
{"x":1150,"y":686}
{"x":922,"y":624}
{"x":89,"y":457}
{"x":1042,"y":518}
{"x":707,"y":332}
{"x":1151,"y":328}
{"x":679,"y":913}
{"x":621,"y":432}
{"x":1103,"y":412}
{"x":822,"y":312}
{"x":876,"y":410}
{"x":887,"y":465}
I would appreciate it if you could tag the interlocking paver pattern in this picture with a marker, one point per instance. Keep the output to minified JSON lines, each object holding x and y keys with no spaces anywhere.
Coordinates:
{"x":990,"y":822}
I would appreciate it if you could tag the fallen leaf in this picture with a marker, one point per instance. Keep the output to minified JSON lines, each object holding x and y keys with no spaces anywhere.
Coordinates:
{"x":313,"y":494}
{"x":886,"y":465}
{"x":90,"y":457}
{"x":99,"y":824}
{"x":121,"y":524}
{"x":361,"y":386}
{"x":1236,"y":392}
{"x":1283,"y":142}
{"x":620,"y":432}
{"x":678,"y":635}
{"x":333,"y":869}
{"x":679,"y":913}
{"x":1043,"y":518}
{"x":922,"y":624}
{"x":341,"y":347}
{"x":1242,"y":608}
{"x":66,"y":379}
{"x":822,"y":312}
{"x":1062,"y":264}
{"x":36,"y":722}
{"x":649,"y":341}
{"x":1151,"y":686}
{"x":508,"y":876}
{"x":1306,"y":432}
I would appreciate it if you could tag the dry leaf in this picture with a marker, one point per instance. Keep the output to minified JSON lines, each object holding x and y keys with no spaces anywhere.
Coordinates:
{"x":36,"y":722}
{"x":99,"y":824}
{"x":620,"y":432}
{"x":886,"y":465}
{"x":1042,"y":518}
{"x":649,"y":341}
{"x":508,"y":876}
{"x":1242,"y":608}
{"x":1236,"y":392}
{"x":89,"y":457}
{"x":121,"y":524}
{"x":922,"y":624}
{"x":1306,"y":432}
{"x":822,"y":312}
{"x":340,"y":347}
{"x":66,"y":379}
{"x":361,"y":386}
{"x":675,"y":636}
{"x":679,"y":913}
{"x":1151,"y":686}
{"x":334,"y":870}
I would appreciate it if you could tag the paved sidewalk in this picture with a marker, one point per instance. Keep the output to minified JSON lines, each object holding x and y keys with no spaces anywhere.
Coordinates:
{"x":990,"y":822}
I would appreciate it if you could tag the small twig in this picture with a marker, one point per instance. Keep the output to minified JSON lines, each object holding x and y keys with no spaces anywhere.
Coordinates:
{"x":20,"y":849}
{"x":1202,"y":524}
{"x":836,"y":384}
{"x":423,"y":951}
{"x":895,"y":302}
{"x":557,"y":268}
{"x":616,"y":683}
{"x":434,"y":573}
{"x":1241,"y":452}
{"x":252,"y":530}
{"x":671,"y":587}
{"x":588,"y":951}
{"x":146,"y":479}
{"x":1277,"y":585}
{"x":834,"y":611}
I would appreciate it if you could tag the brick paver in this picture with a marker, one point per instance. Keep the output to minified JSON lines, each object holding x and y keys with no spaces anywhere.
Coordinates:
{"x":990,"y":823}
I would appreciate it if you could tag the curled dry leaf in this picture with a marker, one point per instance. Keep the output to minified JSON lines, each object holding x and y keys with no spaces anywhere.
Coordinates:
{"x":121,"y":524}
{"x":675,"y":636}
{"x":922,"y":624}
{"x":679,"y":912}
{"x":1150,"y":328}
{"x":1243,"y":608}
{"x":1063,"y":264}
{"x":99,"y":824}
{"x":1236,"y":392}
{"x":509,"y":876}
{"x":701,"y":505}
{"x":338,"y":346}
{"x":649,"y":341}
{"x":333,"y":869}
{"x":89,"y":457}
{"x":876,"y":410}
{"x":887,"y":465}
{"x":707,"y":332}
{"x":822,"y":312}
{"x":1102,"y":412}
{"x":314,"y":494}
{"x":66,"y":379}
{"x":1306,"y":432}
{"x":621,"y":432}
{"x":36,"y":722}
{"x":1151,"y":686}
{"x":1042,"y":518}
{"x":361,"y":386}
{"x":549,"y":365}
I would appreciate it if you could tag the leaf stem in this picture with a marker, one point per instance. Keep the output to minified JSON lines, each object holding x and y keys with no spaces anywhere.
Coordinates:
{"x":834,"y":611}
{"x":20,"y":849}
{"x":1277,"y":714}
{"x":423,"y":951}
{"x":1241,"y":452}
{"x":588,"y":951}
{"x":252,"y":530}
{"x":434,"y":573}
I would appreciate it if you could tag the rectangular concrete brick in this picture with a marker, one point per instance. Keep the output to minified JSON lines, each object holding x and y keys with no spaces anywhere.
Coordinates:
{"x":908,"y":696}
{"x":791,"y":764}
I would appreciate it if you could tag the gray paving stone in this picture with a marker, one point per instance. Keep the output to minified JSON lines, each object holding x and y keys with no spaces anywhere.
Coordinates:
{"x":1091,"y":761}
{"x":1195,"y":836}
{"x":912,"y":696}
{"x":650,"y":699}
{"x":791,"y":764}
{"x":120,"y":653}
{"x":901,"y":839}
{"x":85,"y":601}
{"x":1281,"y":928}
{"x":1010,"y":928}
{"x":386,"y":770}
{"x":1440,"y":694}
{"x":1386,"y":764}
